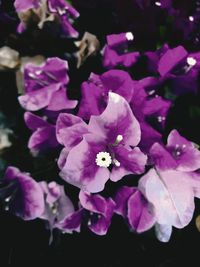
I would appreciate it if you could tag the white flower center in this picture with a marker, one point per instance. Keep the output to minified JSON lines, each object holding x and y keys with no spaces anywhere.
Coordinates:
{"x":103,"y":159}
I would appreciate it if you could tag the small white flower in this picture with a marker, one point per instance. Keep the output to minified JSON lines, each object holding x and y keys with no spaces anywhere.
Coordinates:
{"x":103,"y":159}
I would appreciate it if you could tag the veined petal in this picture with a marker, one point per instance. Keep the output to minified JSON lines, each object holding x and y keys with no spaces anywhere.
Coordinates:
{"x":70,"y":130}
{"x":121,"y":122}
{"x":171,"y":194}
{"x":81,"y":169}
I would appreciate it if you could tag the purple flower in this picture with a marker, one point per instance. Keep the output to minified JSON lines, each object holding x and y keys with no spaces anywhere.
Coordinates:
{"x":95,"y":211}
{"x":45,"y":86}
{"x":70,"y":130}
{"x":64,"y":11}
{"x":26,"y":200}
{"x":57,"y":205}
{"x":149,"y":109}
{"x":179,"y":154}
{"x":115,"y":52}
{"x":172,"y":195}
{"x":111,"y":143}
{"x":44,"y":133}
{"x":176,"y":67}
{"x":132,"y":205}
{"x":46,"y":10}
{"x":95,"y":91}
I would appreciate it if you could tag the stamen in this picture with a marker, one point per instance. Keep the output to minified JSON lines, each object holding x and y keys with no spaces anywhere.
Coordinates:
{"x":8,"y":199}
{"x":38,"y":72}
{"x":31,"y":75}
{"x":161,"y":119}
{"x":191,"y":61}
{"x":157,"y":3}
{"x":119,"y":138}
{"x":116,"y":163}
{"x":152,"y":92}
{"x":129,"y":36}
{"x":191,"y":18}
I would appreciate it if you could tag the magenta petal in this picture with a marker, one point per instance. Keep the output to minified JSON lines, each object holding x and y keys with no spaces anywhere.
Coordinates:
{"x":70,"y":130}
{"x":129,"y":59}
{"x":67,"y":27}
{"x":58,"y":206}
{"x":24,"y":5}
{"x":38,"y":99}
{"x":59,"y":101}
{"x":131,"y":161}
{"x":81,"y":169}
{"x":91,"y":102}
{"x":93,"y":203}
{"x":52,"y":71}
{"x":43,"y":138}
{"x":119,"y":82}
{"x":140,"y":214}
{"x":101,"y":226}
{"x":121,"y":122}
{"x":161,"y":158}
{"x":121,"y":199}
{"x":170,"y":59}
{"x":184,"y":152}
{"x":101,"y":211}
{"x":33,"y":122}
{"x":72,"y":222}
{"x":149,"y":137}
{"x":29,"y":201}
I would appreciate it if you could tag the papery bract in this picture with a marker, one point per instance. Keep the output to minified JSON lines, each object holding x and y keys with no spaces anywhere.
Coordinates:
{"x":96,"y":211}
{"x":172,"y":195}
{"x":44,"y":133}
{"x":115,"y":51}
{"x":45,"y":86}
{"x":131,"y":204}
{"x":58,"y":206}
{"x":27,"y":200}
{"x":110,"y":140}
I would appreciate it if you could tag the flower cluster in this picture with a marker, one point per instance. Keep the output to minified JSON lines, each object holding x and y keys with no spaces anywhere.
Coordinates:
{"x":41,"y":11}
{"x":110,"y":143}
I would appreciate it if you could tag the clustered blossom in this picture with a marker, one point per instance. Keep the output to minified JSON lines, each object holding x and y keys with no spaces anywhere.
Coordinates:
{"x":40,"y":11}
{"x":114,"y":132}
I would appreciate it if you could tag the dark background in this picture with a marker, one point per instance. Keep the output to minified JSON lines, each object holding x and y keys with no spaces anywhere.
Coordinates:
{"x":26,"y":243}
